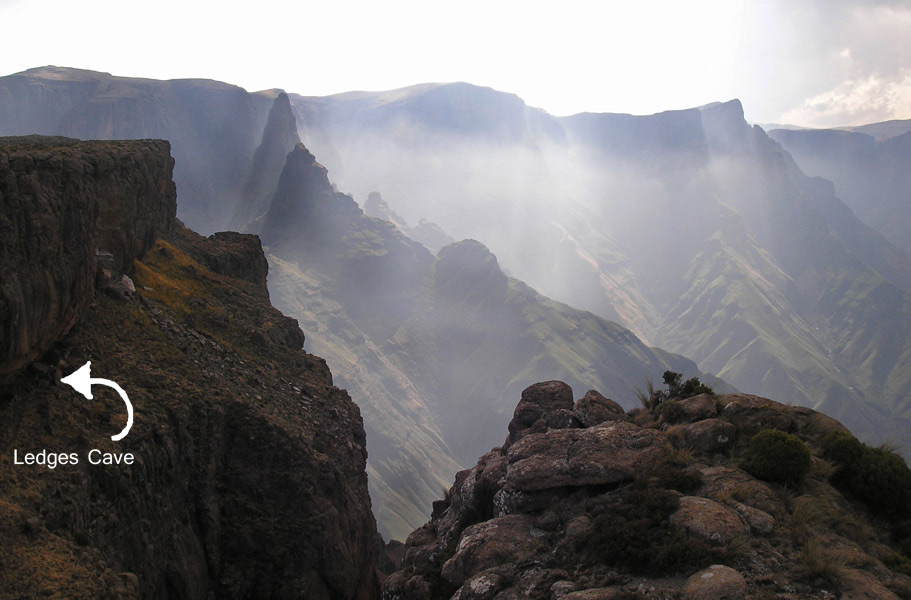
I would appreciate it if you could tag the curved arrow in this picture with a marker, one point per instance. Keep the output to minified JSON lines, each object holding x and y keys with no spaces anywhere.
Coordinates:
{"x":81,"y":380}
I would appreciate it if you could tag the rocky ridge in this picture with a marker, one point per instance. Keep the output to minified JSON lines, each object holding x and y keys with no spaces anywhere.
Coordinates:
{"x":248,"y":475}
{"x":587,"y":502}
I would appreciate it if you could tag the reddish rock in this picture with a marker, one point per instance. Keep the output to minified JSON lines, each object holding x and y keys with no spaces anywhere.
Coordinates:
{"x":738,"y":485}
{"x":607,"y":453}
{"x":715,"y":583}
{"x":484,"y":545}
{"x":710,"y":435}
{"x":703,"y":406}
{"x":713,"y":522}
{"x":597,"y":594}
{"x":594,"y":408}
{"x":538,"y":403}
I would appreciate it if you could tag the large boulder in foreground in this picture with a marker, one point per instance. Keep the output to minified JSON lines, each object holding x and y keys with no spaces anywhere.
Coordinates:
{"x":608,"y":453}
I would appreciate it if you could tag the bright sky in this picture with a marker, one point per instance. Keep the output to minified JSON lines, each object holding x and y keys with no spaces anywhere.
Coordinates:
{"x":813,"y":63}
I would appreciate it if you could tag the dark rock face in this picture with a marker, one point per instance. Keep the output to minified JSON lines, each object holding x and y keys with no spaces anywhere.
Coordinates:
{"x":237,"y":255}
{"x":62,"y":203}
{"x":249,"y":472}
{"x":213,"y":127}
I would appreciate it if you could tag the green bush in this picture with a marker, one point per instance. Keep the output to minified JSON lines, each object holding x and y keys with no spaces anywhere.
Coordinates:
{"x":652,"y":398}
{"x":635,"y":534}
{"x":671,"y":410}
{"x":777,"y":456}
{"x":898,"y":563}
{"x":876,"y":476}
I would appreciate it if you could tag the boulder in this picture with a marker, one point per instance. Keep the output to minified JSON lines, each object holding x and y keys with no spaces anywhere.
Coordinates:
{"x":538,"y":403}
{"x":752,"y":414}
{"x":706,"y":519}
{"x":715,"y":583}
{"x":490,"y":544}
{"x":735,"y":484}
{"x":760,"y":522}
{"x":703,"y":406}
{"x":709,"y":435}
{"x":608,"y":453}
{"x":593,"y":408}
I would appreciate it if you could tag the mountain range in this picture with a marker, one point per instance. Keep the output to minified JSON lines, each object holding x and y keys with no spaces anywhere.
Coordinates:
{"x":688,"y":230}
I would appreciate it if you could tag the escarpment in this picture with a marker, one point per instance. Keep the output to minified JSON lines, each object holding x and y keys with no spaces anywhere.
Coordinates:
{"x":62,"y":204}
{"x":695,"y":496}
{"x":246,"y":476}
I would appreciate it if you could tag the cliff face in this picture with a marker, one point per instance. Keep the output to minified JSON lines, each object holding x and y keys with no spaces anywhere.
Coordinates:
{"x":586,"y":502}
{"x":247,"y":477}
{"x":63,"y":202}
{"x":213,"y":127}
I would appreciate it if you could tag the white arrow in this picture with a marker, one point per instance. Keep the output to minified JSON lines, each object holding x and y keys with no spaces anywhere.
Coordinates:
{"x":82,"y":381}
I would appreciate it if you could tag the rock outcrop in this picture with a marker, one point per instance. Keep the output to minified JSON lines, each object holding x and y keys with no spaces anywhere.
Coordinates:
{"x":247,"y":476}
{"x":279,"y":138}
{"x":598,"y":504}
{"x":62,"y":203}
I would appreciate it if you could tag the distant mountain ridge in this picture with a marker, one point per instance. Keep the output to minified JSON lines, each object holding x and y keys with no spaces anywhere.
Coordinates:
{"x":731,"y":255}
{"x":869,"y":166}
{"x":690,"y":228}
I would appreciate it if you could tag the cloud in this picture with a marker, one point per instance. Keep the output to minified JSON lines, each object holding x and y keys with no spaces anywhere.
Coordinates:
{"x":854,"y":102}
{"x":852,"y":64}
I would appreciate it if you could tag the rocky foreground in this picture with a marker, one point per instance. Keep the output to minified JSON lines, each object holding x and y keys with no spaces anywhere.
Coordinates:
{"x":586,"y":502}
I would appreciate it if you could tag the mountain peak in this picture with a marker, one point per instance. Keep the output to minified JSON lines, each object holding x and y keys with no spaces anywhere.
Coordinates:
{"x":466,"y":268}
{"x":279,"y":137}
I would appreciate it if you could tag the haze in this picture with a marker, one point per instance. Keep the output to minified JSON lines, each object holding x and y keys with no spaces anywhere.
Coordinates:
{"x":809,"y":63}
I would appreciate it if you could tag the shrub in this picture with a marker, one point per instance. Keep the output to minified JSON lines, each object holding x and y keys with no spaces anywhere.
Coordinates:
{"x":652,"y":398}
{"x":897,"y":562}
{"x":671,"y":411}
{"x":777,"y":456}
{"x":876,"y":476}
{"x":635,"y":534}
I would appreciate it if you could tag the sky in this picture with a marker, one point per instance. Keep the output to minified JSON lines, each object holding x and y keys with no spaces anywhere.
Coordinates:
{"x":821,"y":63}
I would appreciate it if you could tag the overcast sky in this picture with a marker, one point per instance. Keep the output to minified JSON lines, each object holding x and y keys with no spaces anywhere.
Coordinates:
{"x":825,"y":63}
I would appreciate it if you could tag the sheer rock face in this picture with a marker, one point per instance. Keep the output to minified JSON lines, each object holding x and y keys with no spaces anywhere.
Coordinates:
{"x":279,"y":138}
{"x":559,"y":511}
{"x":62,"y":203}
{"x":248,"y":471}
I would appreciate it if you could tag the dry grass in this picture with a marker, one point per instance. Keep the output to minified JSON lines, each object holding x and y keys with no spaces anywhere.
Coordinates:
{"x":819,"y":565}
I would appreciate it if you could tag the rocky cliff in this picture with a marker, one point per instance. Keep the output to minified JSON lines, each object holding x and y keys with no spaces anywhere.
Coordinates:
{"x":246,"y":470}
{"x":64,"y":206}
{"x":699,"y":497}
{"x":213,"y":127}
